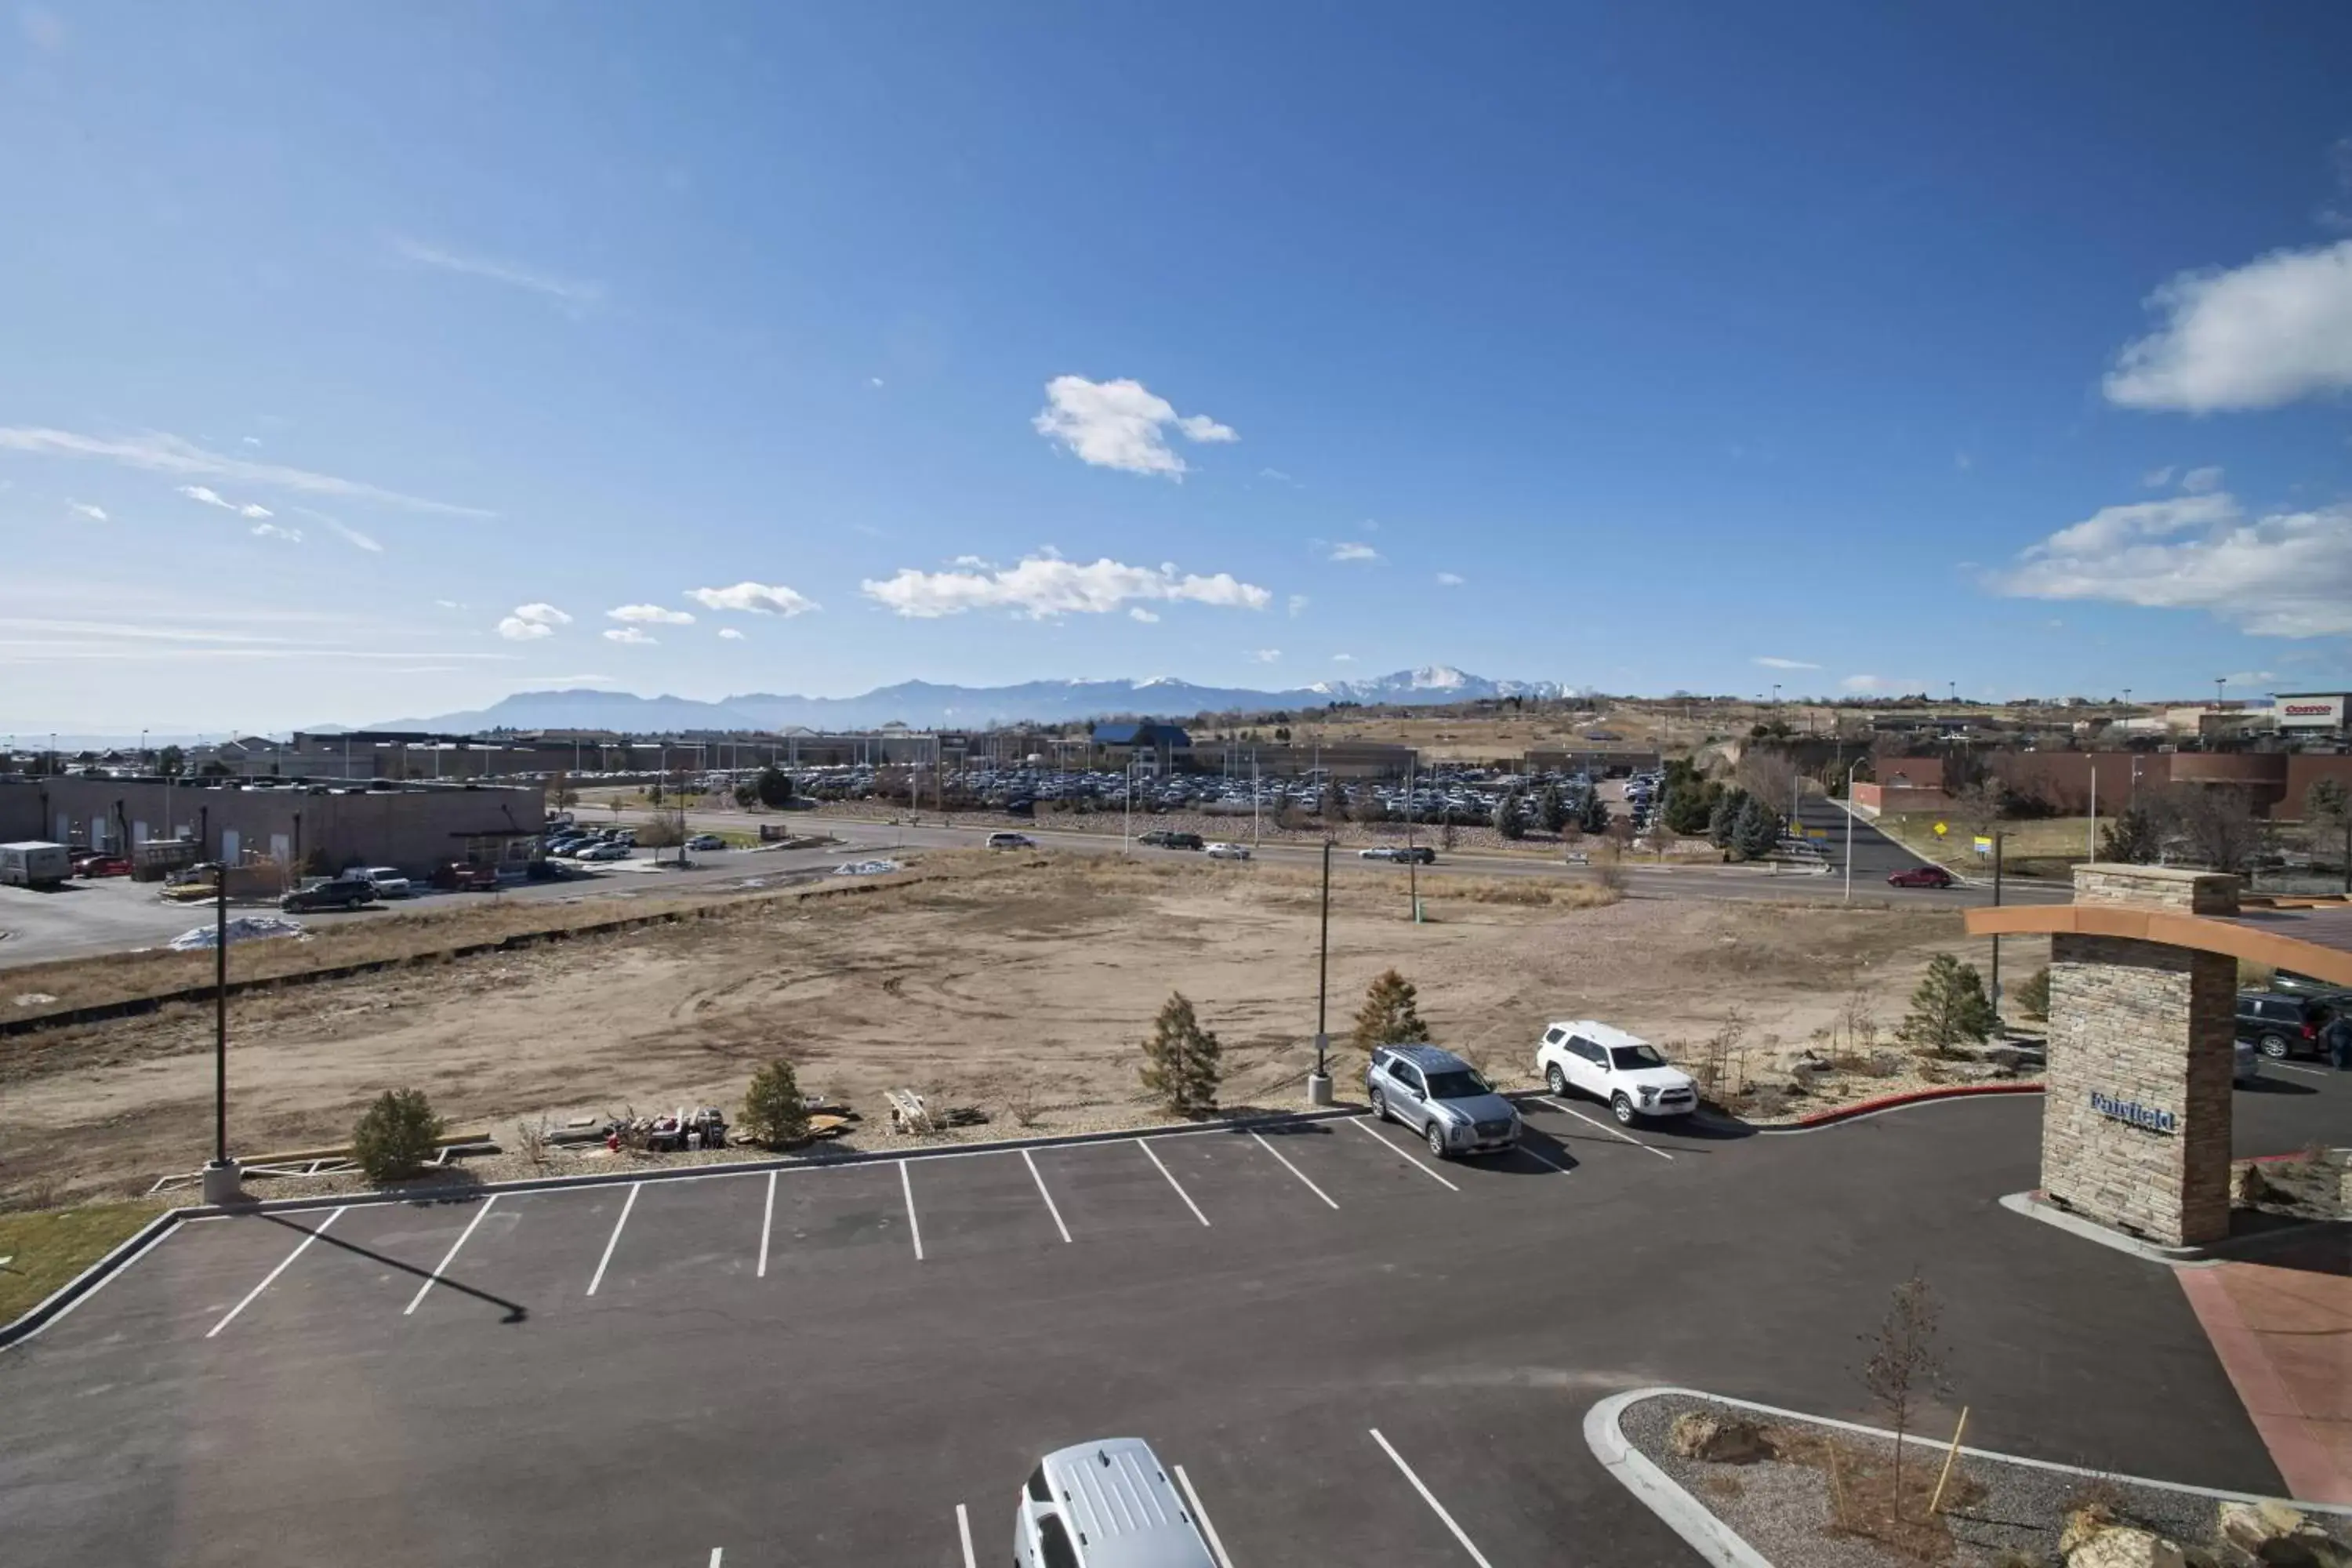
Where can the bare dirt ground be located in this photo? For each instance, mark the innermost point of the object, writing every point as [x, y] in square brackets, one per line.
[1021, 988]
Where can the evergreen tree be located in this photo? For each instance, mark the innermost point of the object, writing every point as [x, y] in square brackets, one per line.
[1723, 822]
[1949, 1005]
[2129, 838]
[1388, 1017]
[774, 1114]
[1551, 808]
[773, 786]
[1506, 815]
[1334, 804]
[1755, 831]
[1180, 1059]
[1690, 805]
[2033, 995]
[1594, 819]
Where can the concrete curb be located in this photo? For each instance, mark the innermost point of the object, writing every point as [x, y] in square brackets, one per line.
[1713, 1540]
[2212, 1255]
[68, 1296]
[1887, 1102]
[1602, 1433]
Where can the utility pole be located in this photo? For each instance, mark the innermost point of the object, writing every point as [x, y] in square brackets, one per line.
[221, 1176]
[1848, 824]
[1999, 837]
[1412, 860]
[1318, 1082]
[2093, 852]
[1254, 826]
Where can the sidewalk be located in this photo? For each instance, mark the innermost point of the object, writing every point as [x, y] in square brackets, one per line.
[2283, 1330]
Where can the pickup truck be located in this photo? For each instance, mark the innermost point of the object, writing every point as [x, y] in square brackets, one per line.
[458, 877]
[388, 881]
[334, 893]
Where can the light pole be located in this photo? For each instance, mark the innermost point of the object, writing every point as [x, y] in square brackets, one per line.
[221, 1174]
[1848, 824]
[1318, 1082]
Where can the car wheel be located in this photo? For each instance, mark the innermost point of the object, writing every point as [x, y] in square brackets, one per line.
[1437, 1137]
[1557, 1080]
[2275, 1046]
[1379, 1105]
[1622, 1107]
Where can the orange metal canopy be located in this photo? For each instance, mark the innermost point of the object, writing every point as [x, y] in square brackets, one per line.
[2316, 942]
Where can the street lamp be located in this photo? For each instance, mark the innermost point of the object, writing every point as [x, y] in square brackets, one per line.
[1318, 1082]
[221, 1174]
[1849, 824]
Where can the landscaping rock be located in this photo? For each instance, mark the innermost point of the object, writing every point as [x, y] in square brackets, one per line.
[2273, 1535]
[1720, 1439]
[2124, 1546]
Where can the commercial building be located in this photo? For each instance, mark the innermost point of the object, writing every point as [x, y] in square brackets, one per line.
[414, 827]
[2314, 715]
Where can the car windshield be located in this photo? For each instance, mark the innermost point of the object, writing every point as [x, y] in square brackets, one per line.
[1625, 1058]
[1460, 1083]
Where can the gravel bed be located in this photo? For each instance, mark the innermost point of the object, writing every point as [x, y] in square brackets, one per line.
[1780, 1508]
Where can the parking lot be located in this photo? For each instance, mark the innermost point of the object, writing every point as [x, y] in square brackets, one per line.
[1353, 1354]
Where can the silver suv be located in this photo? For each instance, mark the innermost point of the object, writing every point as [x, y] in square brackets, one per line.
[1441, 1097]
[1105, 1504]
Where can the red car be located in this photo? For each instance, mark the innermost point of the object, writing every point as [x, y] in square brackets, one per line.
[103, 866]
[1921, 876]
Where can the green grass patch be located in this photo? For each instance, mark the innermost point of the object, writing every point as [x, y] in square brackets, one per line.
[48, 1247]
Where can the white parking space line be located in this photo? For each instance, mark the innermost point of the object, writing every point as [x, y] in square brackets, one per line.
[767, 1222]
[1540, 1158]
[1039, 1178]
[1434, 1506]
[963, 1532]
[1172, 1182]
[717, 1555]
[448, 1258]
[2290, 1067]
[283, 1264]
[1385, 1142]
[615, 1239]
[1201, 1514]
[1292, 1169]
[914, 1225]
[1616, 1132]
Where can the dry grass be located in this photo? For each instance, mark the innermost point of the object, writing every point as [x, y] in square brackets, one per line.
[1862, 1495]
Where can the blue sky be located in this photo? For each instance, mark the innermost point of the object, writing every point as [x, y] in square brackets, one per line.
[1257, 344]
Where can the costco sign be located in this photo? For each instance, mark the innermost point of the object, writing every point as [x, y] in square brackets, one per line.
[2311, 712]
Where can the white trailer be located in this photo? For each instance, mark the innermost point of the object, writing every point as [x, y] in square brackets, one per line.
[34, 863]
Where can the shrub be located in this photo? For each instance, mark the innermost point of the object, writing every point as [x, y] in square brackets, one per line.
[1181, 1061]
[1949, 1006]
[2033, 995]
[396, 1135]
[774, 1114]
[1389, 1015]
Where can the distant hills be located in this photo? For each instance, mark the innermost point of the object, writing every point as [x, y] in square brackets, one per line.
[924, 705]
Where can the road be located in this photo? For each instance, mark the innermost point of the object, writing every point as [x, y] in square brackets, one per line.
[832, 1364]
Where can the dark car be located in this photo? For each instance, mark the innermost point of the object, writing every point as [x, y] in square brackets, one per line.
[2280, 1025]
[1161, 838]
[335, 893]
[1419, 854]
[1921, 876]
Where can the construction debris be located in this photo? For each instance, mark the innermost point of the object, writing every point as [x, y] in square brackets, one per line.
[244, 927]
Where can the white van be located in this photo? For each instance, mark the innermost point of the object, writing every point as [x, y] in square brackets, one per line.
[1107, 1504]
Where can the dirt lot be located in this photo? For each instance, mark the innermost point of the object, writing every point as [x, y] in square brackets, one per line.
[1019, 988]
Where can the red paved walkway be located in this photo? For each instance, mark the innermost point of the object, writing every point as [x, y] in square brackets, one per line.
[2283, 1329]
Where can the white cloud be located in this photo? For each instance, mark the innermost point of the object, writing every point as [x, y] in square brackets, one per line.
[531, 621]
[1771, 662]
[1298, 603]
[651, 615]
[1043, 586]
[1265, 656]
[633, 636]
[254, 509]
[1140, 613]
[2157, 478]
[1343, 658]
[1276, 475]
[2282, 574]
[2196, 481]
[84, 508]
[271, 531]
[874, 381]
[1451, 579]
[344, 532]
[729, 634]
[2250, 677]
[2267, 333]
[251, 440]
[1348, 550]
[1865, 684]
[448, 605]
[207, 495]
[1120, 425]
[162, 453]
[755, 598]
[572, 291]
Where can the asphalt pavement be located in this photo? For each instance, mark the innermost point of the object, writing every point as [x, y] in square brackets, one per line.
[1333, 1337]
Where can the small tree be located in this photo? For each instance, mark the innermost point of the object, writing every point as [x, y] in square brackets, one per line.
[1506, 815]
[1593, 819]
[1334, 804]
[774, 1114]
[1906, 1364]
[774, 787]
[1551, 808]
[1390, 1015]
[1756, 830]
[2033, 994]
[653, 793]
[1690, 806]
[560, 792]
[1180, 1059]
[396, 1135]
[1723, 822]
[1949, 1005]
[171, 761]
[2129, 838]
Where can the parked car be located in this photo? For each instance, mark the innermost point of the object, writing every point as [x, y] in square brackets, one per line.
[2279, 1025]
[1223, 851]
[103, 866]
[605, 851]
[1105, 1504]
[1441, 1097]
[330, 893]
[389, 883]
[1010, 841]
[1624, 1071]
[705, 841]
[463, 877]
[1920, 876]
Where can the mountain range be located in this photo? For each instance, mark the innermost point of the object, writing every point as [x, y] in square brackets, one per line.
[924, 705]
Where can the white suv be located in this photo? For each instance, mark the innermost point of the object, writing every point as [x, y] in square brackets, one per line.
[1107, 1504]
[1624, 1070]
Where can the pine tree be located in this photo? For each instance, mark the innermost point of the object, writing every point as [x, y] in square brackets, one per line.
[1551, 808]
[2129, 838]
[1506, 815]
[1723, 822]
[1949, 1006]
[1388, 1016]
[1594, 819]
[1180, 1060]
[774, 1114]
[1755, 831]
[1690, 805]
